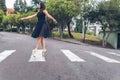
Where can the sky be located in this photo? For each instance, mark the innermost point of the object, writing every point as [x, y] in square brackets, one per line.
[10, 3]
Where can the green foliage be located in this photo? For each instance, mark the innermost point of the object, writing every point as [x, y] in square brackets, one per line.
[13, 20]
[56, 34]
[2, 5]
[30, 21]
[34, 4]
[5, 20]
[90, 32]
[77, 36]
[108, 13]
[62, 10]
[1, 16]
[78, 26]
[20, 6]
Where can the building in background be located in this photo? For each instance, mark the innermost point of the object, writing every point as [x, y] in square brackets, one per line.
[10, 11]
[95, 27]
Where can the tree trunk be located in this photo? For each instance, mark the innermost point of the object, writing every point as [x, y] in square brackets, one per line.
[23, 27]
[69, 32]
[61, 31]
[4, 27]
[103, 41]
[105, 38]
[17, 29]
[31, 27]
[83, 31]
[11, 27]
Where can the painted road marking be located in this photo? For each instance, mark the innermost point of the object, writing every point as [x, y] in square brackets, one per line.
[116, 54]
[38, 57]
[5, 54]
[109, 60]
[71, 56]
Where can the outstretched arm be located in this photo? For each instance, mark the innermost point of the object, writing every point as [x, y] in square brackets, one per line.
[49, 16]
[29, 17]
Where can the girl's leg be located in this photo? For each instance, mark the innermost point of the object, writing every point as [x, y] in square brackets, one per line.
[43, 44]
[38, 43]
[37, 46]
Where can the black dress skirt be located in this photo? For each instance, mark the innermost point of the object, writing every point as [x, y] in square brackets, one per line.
[42, 27]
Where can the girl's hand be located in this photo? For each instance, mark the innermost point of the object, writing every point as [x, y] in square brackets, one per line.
[21, 19]
[54, 21]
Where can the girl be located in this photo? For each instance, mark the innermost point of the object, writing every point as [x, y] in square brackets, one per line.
[41, 30]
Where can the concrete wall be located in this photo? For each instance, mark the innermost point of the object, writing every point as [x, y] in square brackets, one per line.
[113, 39]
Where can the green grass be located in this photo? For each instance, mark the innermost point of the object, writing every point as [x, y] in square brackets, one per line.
[77, 36]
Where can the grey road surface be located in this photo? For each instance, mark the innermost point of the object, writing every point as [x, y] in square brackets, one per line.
[63, 61]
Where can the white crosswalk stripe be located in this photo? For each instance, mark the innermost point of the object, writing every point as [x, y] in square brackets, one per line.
[5, 54]
[116, 54]
[38, 57]
[68, 53]
[71, 56]
[109, 60]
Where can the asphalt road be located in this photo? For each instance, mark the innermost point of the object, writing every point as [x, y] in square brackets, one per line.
[63, 61]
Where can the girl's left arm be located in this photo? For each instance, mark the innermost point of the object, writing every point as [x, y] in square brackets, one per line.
[49, 16]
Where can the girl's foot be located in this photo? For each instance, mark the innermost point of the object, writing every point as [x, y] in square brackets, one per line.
[44, 51]
[35, 51]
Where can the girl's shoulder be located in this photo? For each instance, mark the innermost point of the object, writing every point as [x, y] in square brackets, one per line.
[44, 11]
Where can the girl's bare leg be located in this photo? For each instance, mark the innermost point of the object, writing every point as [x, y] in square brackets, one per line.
[37, 46]
[43, 45]
[38, 43]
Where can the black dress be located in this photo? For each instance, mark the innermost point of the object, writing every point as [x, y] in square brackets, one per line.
[42, 28]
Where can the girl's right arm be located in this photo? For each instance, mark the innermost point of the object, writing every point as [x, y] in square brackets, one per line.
[29, 17]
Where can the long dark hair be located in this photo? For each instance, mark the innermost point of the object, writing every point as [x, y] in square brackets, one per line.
[42, 6]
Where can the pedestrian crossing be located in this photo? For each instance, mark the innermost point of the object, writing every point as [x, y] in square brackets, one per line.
[5, 54]
[112, 53]
[69, 54]
[38, 57]
[104, 58]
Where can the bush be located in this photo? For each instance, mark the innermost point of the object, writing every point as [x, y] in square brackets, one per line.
[8, 29]
[77, 36]
[90, 33]
[65, 35]
[14, 29]
[1, 29]
[11, 29]
[56, 34]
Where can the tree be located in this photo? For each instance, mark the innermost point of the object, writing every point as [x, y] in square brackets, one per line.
[5, 22]
[83, 7]
[20, 6]
[28, 23]
[35, 2]
[2, 5]
[78, 26]
[1, 16]
[108, 13]
[63, 11]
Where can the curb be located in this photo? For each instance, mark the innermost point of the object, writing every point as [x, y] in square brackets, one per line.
[70, 41]
[77, 42]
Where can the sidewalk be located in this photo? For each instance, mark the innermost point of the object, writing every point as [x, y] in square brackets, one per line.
[73, 41]
[87, 43]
